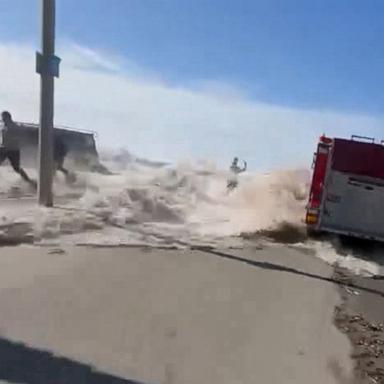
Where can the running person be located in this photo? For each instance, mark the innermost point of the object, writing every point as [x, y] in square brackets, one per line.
[60, 151]
[233, 181]
[10, 147]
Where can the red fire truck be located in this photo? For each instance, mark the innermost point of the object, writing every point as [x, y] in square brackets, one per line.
[347, 189]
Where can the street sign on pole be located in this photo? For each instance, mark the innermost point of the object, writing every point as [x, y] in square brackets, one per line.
[47, 65]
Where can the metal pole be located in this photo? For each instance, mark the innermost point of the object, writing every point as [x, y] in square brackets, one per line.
[46, 103]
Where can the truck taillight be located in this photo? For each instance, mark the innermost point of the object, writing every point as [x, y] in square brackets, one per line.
[311, 218]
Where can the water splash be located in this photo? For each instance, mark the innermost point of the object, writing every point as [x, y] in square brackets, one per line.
[172, 207]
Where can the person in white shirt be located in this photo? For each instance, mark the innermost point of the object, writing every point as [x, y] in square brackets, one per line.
[233, 181]
[10, 147]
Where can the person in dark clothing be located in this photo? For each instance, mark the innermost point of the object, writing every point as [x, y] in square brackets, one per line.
[60, 151]
[10, 147]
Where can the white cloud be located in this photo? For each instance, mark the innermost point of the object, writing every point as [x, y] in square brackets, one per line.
[87, 59]
[130, 107]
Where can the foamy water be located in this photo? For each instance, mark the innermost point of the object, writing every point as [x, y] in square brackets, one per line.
[354, 261]
[172, 207]
[185, 204]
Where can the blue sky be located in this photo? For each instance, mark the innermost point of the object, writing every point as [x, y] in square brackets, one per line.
[296, 55]
[325, 54]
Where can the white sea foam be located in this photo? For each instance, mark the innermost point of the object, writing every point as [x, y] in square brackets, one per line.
[147, 204]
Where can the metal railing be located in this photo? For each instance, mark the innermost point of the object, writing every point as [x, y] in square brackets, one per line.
[371, 139]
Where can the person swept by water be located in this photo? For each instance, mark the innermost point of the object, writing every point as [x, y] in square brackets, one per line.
[10, 147]
[235, 170]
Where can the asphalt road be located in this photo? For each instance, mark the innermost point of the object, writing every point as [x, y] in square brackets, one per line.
[154, 316]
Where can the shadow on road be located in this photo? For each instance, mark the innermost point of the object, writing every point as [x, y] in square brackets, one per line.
[20, 363]
[281, 268]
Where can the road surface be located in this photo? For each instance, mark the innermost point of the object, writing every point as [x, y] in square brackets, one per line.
[110, 315]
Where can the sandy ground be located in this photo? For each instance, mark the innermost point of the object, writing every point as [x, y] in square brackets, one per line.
[154, 316]
[361, 318]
